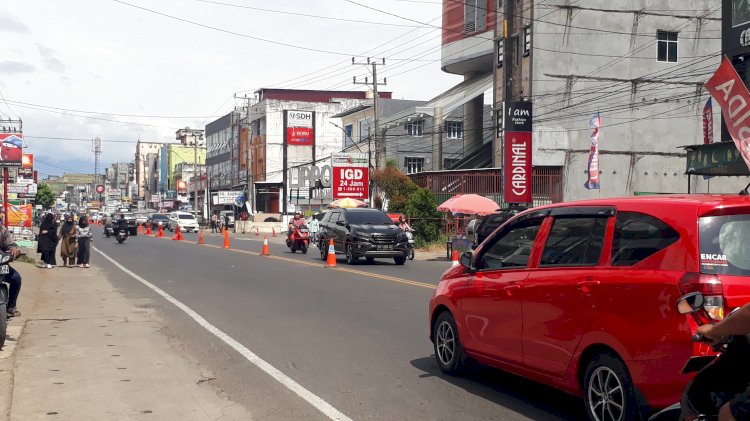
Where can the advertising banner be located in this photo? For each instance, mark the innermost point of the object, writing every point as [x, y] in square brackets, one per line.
[517, 152]
[728, 90]
[299, 128]
[226, 197]
[11, 149]
[593, 183]
[349, 159]
[19, 215]
[27, 161]
[25, 176]
[708, 123]
[351, 182]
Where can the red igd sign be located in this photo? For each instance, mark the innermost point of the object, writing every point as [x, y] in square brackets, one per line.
[727, 88]
[350, 182]
[517, 167]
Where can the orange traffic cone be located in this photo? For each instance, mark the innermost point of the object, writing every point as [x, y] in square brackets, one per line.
[331, 260]
[148, 230]
[177, 234]
[160, 233]
[226, 239]
[265, 247]
[200, 237]
[140, 229]
[454, 261]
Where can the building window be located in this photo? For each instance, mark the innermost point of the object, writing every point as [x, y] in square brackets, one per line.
[449, 163]
[454, 129]
[475, 16]
[348, 132]
[526, 41]
[413, 164]
[666, 48]
[500, 52]
[415, 128]
[364, 129]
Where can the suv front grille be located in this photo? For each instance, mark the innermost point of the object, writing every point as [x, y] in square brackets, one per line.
[384, 238]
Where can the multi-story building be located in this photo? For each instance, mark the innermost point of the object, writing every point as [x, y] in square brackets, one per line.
[144, 167]
[222, 149]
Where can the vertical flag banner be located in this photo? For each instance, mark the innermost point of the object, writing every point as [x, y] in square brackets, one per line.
[518, 151]
[708, 122]
[729, 91]
[593, 182]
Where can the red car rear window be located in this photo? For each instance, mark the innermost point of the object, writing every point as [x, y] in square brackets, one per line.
[725, 245]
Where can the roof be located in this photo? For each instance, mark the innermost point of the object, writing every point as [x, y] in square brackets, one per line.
[448, 100]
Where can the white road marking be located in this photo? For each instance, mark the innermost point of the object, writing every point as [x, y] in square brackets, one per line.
[314, 400]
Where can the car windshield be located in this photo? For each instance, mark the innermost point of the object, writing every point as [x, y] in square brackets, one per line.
[185, 217]
[724, 248]
[372, 216]
[159, 217]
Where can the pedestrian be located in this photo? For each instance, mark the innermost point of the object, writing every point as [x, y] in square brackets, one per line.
[67, 235]
[215, 222]
[48, 241]
[84, 242]
[226, 221]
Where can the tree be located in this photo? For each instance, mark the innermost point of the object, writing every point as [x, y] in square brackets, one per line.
[396, 187]
[422, 207]
[45, 196]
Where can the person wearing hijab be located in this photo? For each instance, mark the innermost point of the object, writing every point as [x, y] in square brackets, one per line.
[84, 242]
[48, 241]
[68, 249]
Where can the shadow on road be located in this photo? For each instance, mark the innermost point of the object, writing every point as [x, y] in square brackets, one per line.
[523, 396]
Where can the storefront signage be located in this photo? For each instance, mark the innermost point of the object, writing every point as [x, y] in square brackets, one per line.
[226, 197]
[518, 153]
[730, 93]
[720, 158]
[299, 128]
[349, 159]
[351, 182]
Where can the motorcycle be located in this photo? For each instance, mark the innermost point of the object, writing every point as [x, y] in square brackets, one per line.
[410, 237]
[122, 235]
[718, 379]
[299, 239]
[108, 232]
[5, 260]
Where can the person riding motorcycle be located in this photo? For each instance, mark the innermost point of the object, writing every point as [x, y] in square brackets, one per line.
[738, 409]
[296, 222]
[108, 221]
[122, 223]
[403, 224]
[13, 278]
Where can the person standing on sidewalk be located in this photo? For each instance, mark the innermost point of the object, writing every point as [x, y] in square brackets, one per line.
[68, 249]
[13, 278]
[48, 241]
[84, 242]
[214, 222]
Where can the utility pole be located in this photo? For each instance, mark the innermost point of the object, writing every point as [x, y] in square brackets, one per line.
[96, 147]
[379, 140]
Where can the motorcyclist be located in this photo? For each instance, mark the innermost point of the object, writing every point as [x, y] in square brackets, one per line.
[13, 278]
[403, 224]
[296, 222]
[737, 324]
[122, 223]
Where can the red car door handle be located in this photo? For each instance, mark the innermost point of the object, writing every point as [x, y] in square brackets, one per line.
[510, 288]
[585, 286]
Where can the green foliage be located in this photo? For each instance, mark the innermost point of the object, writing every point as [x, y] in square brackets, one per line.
[45, 196]
[391, 163]
[422, 208]
[377, 202]
[396, 186]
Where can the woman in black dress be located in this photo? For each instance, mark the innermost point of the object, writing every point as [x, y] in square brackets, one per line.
[48, 241]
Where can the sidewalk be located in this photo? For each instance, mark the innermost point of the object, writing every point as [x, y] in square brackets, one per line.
[88, 353]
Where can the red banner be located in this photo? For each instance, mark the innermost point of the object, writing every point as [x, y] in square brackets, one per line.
[301, 136]
[11, 149]
[708, 123]
[517, 168]
[351, 182]
[730, 93]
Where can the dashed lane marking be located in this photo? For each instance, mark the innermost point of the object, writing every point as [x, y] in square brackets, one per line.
[321, 405]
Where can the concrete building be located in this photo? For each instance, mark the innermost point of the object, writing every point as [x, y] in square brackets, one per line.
[272, 154]
[222, 149]
[144, 167]
[189, 137]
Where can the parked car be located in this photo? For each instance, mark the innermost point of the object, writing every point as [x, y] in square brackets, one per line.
[185, 220]
[225, 213]
[358, 233]
[156, 219]
[488, 224]
[581, 296]
[141, 218]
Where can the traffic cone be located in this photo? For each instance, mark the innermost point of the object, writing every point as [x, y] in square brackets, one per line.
[331, 261]
[265, 247]
[148, 230]
[140, 229]
[226, 239]
[177, 234]
[160, 233]
[200, 237]
[454, 261]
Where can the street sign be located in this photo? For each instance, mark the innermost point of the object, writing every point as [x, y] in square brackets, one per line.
[351, 182]
[100, 189]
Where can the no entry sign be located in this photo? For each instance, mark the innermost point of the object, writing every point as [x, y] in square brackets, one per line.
[351, 182]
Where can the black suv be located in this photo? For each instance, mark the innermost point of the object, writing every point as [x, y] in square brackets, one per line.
[367, 233]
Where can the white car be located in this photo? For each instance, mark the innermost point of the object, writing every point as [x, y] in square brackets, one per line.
[185, 220]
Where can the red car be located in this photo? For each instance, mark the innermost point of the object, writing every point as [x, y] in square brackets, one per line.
[581, 296]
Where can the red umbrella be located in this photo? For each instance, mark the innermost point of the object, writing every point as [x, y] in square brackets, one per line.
[469, 204]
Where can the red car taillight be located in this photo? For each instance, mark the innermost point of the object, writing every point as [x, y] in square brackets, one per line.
[711, 288]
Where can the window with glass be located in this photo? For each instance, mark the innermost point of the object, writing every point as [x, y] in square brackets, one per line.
[413, 164]
[348, 132]
[526, 41]
[575, 242]
[364, 129]
[415, 128]
[512, 248]
[666, 46]
[475, 16]
[454, 129]
[449, 163]
[638, 236]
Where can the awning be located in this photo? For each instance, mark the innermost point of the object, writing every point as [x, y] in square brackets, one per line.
[448, 101]
[720, 158]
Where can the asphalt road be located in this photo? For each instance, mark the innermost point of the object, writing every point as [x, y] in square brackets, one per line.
[355, 337]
